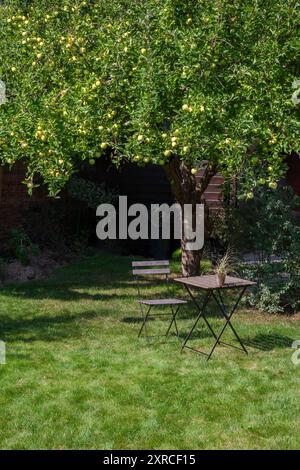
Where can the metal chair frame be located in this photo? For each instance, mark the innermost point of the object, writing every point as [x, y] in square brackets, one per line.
[146, 269]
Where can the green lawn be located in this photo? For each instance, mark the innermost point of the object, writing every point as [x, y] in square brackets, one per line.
[77, 376]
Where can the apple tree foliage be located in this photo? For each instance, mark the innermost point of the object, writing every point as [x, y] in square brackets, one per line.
[150, 81]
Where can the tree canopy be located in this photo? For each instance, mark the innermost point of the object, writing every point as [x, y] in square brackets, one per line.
[146, 81]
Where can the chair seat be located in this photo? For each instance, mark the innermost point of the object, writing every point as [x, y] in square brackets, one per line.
[163, 302]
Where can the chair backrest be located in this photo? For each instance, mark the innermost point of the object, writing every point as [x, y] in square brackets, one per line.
[150, 268]
[145, 270]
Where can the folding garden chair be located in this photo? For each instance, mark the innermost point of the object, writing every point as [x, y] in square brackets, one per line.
[149, 270]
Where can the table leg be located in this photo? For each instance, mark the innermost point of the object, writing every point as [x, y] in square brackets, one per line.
[227, 317]
[201, 310]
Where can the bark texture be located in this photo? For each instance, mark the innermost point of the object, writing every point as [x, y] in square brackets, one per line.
[187, 190]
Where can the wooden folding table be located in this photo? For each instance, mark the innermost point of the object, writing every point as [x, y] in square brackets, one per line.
[210, 285]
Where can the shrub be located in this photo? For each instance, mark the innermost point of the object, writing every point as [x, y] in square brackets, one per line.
[22, 246]
[89, 192]
[277, 289]
[267, 225]
[68, 222]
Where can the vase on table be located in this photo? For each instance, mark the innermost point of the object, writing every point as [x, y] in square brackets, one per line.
[221, 277]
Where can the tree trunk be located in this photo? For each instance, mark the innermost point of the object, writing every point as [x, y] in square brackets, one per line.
[190, 260]
[187, 190]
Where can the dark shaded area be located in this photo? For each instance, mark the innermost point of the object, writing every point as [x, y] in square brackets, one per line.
[133, 320]
[292, 175]
[268, 342]
[46, 328]
[199, 333]
[68, 294]
[145, 185]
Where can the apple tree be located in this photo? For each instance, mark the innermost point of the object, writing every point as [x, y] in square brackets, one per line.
[185, 85]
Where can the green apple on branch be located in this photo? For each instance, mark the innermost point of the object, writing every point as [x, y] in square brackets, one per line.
[181, 84]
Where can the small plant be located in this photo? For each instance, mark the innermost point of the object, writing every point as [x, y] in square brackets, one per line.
[224, 266]
[79, 243]
[22, 246]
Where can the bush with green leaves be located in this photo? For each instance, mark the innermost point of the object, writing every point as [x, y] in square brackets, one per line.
[268, 224]
[268, 227]
[277, 289]
[22, 247]
[67, 226]
[92, 194]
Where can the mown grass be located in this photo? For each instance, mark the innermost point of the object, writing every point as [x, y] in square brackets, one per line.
[77, 376]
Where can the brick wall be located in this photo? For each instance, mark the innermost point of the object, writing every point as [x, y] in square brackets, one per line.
[14, 198]
[213, 194]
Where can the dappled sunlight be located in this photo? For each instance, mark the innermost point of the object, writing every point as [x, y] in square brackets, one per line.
[71, 343]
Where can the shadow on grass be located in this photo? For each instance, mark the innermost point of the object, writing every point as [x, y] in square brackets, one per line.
[67, 292]
[134, 320]
[268, 342]
[46, 328]
[197, 334]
